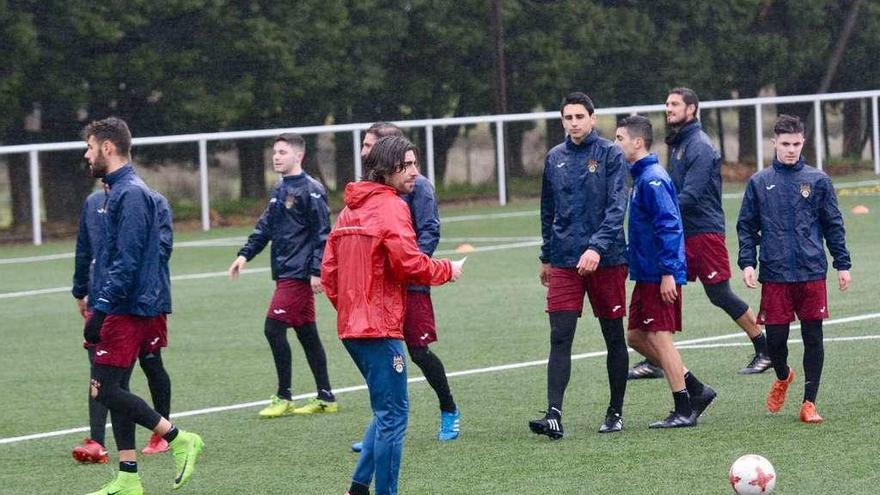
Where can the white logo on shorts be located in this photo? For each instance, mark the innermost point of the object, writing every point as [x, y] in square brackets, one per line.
[154, 341]
[279, 311]
[649, 320]
[711, 275]
[615, 308]
[423, 337]
[101, 353]
[822, 310]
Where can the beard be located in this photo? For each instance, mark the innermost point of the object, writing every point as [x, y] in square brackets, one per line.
[98, 167]
[672, 129]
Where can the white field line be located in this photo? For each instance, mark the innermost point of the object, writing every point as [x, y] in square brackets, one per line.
[684, 344]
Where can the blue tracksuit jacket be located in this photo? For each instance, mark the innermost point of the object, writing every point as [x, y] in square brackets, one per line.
[695, 168]
[426, 220]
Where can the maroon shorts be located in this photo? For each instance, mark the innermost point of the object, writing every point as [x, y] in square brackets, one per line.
[293, 302]
[780, 301]
[649, 313]
[125, 337]
[707, 258]
[419, 328]
[606, 288]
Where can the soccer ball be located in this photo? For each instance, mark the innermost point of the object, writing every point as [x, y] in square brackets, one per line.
[752, 474]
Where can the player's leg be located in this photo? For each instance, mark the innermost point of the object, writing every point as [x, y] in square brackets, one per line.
[159, 384]
[722, 296]
[811, 307]
[307, 334]
[777, 313]
[673, 368]
[92, 449]
[276, 335]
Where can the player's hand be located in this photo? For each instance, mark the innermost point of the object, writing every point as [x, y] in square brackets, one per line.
[588, 263]
[316, 284]
[750, 277]
[457, 269]
[236, 267]
[843, 280]
[668, 290]
[92, 329]
[83, 306]
[544, 274]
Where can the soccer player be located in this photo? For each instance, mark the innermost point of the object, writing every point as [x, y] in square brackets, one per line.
[132, 299]
[297, 222]
[788, 211]
[657, 265]
[89, 242]
[583, 202]
[695, 168]
[419, 327]
[371, 258]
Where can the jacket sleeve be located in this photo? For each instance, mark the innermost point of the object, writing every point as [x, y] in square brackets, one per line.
[82, 257]
[408, 264]
[166, 228]
[832, 226]
[426, 218]
[320, 221]
[259, 237]
[668, 231]
[330, 272]
[748, 227]
[548, 213]
[615, 203]
[698, 177]
[131, 220]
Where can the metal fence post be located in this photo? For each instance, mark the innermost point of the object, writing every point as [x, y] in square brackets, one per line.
[876, 122]
[36, 212]
[499, 162]
[817, 110]
[429, 151]
[759, 137]
[203, 184]
[358, 165]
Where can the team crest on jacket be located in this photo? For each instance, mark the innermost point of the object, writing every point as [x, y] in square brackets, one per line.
[806, 190]
[397, 363]
[290, 200]
[592, 166]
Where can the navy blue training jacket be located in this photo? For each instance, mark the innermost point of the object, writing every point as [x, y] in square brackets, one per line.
[695, 168]
[131, 274]
[89, 242]
[426, 220]
[788, 210]
[583, 202]
[656, 236]
[297, 221]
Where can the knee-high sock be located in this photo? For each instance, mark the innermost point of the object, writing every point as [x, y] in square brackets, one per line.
[311, 344]
[97, 411]
[777, 348]
[562, 327]
[158, 381]
[126, 409]
[276, 335]
[435, 374]
[617, 360]
[814, 357]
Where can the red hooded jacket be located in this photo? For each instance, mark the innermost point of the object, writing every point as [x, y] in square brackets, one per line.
[370, 258]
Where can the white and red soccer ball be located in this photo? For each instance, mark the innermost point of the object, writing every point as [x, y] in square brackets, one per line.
[752, 475]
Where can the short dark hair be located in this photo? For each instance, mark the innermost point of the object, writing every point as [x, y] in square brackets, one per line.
[638, 126]
[293, 139]
[578, 98]
[383, 129]
[788, 124]
[111, 129]
[689, 97]
[387, 157]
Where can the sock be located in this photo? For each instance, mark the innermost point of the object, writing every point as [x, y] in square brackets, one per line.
[276, 334]
[435, 375]
[814, 357]
[358, 489]
[617, 361]
[693, 385]
[682, 402]
[128, 466]
[171, 434]
[158, 381]
[777, 349]
[97, 412]
[311, 344]
[554, 413]
[759, 342]
[562, 327]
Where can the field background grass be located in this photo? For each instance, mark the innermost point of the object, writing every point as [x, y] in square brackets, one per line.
[494, 316]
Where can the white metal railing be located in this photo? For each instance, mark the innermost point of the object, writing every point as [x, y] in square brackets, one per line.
[428, 124]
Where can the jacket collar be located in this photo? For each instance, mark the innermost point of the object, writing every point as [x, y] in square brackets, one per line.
[294, 178]
[589, 139]
[781, 167]
[118, 175]
[638, 167]
[684, 131]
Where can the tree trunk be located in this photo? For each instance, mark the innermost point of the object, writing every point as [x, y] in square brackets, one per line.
[251, 166]
[344, 159]
[853, 129]
[748, 151]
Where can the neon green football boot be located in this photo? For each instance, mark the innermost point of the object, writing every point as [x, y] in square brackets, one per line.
[185, 449]
[277, 407]
[316, 406]
[123, 484]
